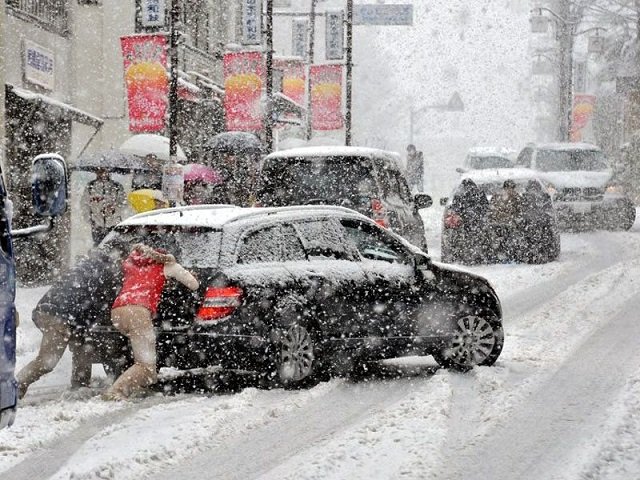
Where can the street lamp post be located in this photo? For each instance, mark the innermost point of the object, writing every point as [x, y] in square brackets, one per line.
[310, 55]
[349, 73]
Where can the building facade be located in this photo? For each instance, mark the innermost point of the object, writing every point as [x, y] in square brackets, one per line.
[62, 68]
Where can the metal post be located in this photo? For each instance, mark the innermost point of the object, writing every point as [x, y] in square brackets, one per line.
[411, 120]
[349, 74]
[173, 86]
[310, 58]
[268, 124]
[569, 121]
[565, 40]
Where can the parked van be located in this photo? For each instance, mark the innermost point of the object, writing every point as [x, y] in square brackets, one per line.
[367, 180]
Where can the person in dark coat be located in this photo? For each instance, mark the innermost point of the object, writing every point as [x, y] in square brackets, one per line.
[75, 302]
[536, 225]
[505, 214]
[471, 204]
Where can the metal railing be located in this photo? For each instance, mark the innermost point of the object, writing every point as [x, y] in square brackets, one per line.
[50, 14]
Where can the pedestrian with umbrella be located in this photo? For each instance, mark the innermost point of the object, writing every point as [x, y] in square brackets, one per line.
[103, 204]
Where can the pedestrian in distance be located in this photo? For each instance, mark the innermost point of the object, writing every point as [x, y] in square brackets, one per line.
[415, 168]
[70, 307]
[145, 272]
[103, 203]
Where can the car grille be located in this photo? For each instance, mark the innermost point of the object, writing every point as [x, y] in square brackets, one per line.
[575, 193]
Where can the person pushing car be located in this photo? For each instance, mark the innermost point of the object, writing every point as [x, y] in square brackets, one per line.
[145, 271]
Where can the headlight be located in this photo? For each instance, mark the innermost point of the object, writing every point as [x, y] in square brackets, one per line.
[614, 189]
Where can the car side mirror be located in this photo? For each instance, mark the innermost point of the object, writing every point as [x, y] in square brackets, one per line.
[49, 185]
[422, 200]
[461, 170]
[443, 201]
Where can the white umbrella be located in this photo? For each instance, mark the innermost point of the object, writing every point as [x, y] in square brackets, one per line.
[147, 143]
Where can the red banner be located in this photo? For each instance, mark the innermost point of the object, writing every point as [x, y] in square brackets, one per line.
[243, 80]
[326, 97]
[293, 78]
[145, 75]
[583, 105]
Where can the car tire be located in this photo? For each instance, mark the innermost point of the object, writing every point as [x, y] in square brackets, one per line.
[477, 340]
[295, 357]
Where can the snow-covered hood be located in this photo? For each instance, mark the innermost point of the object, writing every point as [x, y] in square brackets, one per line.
[579, 179]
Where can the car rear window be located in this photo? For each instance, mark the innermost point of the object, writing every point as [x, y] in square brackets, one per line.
[479, 162]
[193, 247]
[278, 243]
[570, 160]
[330, 180]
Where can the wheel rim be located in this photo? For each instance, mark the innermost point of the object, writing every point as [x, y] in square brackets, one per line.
[296, 354]
[472, 342]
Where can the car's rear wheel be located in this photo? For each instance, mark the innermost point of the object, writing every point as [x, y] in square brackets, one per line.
[477, 338]
[296, 358]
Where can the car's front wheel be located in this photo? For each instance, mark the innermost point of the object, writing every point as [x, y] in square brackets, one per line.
[476, 339]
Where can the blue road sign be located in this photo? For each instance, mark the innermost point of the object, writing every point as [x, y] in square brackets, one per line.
[396, 14]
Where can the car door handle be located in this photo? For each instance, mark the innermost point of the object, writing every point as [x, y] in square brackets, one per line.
[316, 275]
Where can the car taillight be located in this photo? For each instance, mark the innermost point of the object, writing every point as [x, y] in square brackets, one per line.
[379, 213]
[218, 303]
[452, 220]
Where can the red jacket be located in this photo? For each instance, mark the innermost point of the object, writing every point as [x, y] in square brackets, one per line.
[143, 282]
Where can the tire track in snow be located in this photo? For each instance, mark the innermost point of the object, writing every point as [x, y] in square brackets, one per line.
[548, 435]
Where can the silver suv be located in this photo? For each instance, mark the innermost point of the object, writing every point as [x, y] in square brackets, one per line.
[580, 181]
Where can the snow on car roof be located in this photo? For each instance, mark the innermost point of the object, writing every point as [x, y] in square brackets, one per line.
[216, 216]
[500, 174]
[334, 151]
[490, 152]
[566, 146]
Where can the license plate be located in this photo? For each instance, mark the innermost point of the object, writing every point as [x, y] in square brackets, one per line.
[582, 207]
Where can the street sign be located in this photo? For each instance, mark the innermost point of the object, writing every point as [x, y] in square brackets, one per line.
[251, 22]
[334, 48]
[381, 14]
[299, 37]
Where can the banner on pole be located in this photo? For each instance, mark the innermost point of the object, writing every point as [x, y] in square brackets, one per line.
[334, 38]
[583, 106]
[244, 74]
[146, 79]
[299, 37]
[293, 77]
[326, 97]
[251, 22]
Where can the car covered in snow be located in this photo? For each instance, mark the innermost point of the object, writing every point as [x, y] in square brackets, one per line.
[482, 158]
[368, 180]
[298, 294]
[469, 234]
[582, 185]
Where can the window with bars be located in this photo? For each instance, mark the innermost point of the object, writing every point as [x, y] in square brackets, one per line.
[50, 14]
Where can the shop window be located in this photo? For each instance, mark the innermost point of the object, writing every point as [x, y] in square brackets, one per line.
[50, 14]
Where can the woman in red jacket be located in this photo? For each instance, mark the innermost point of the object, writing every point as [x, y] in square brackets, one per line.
[145, 272]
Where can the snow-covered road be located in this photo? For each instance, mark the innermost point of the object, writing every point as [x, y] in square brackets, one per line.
[562, 401]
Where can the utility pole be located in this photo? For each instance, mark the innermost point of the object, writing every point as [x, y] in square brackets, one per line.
[565, 39]
[310, 55]
[268, 124]
[349, 73]
[173, 85]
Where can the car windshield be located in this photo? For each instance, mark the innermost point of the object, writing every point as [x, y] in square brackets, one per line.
[193, 247]
[481, 162]
[570, 160]
[317, 180]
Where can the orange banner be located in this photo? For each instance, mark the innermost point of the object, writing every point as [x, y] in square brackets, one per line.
[243, 80]
[326, 97]
[583, 106]
[145, 75]
[293, 78]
